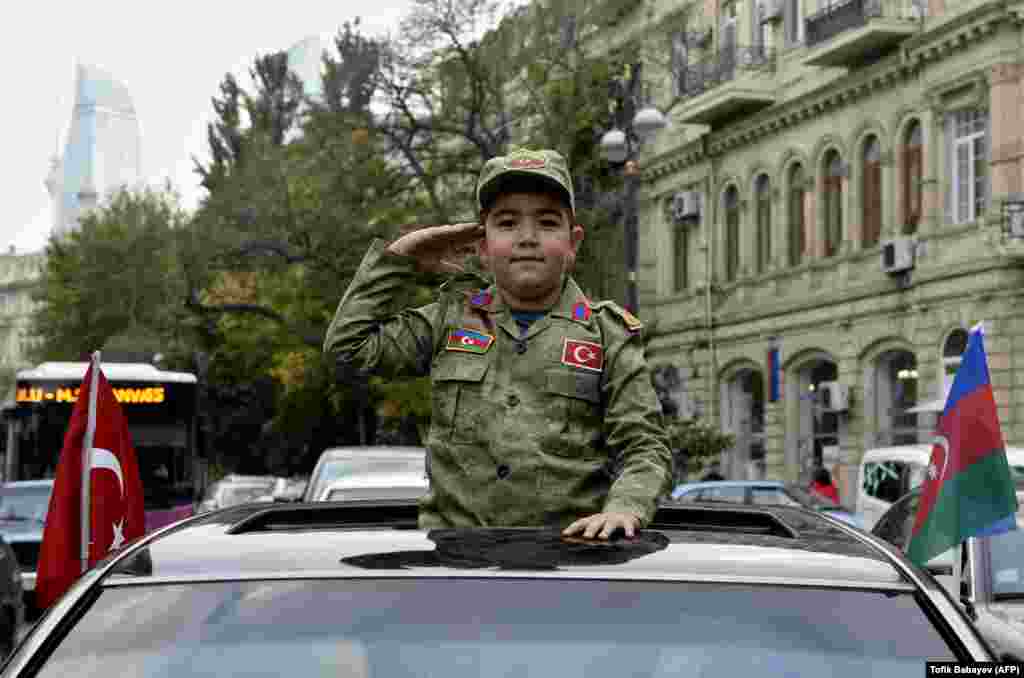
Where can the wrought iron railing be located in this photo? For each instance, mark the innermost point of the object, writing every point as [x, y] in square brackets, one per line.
[723, 66]
[838, 17]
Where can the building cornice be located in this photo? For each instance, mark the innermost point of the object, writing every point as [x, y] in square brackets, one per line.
[932, 45]
[883, 291]
[957, 33]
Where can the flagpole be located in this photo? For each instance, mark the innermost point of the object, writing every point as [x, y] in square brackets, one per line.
[90, 432]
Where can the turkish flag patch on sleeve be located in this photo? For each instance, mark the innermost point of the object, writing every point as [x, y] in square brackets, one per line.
[583, 354]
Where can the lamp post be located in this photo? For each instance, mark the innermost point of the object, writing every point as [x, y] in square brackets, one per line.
[634, 122]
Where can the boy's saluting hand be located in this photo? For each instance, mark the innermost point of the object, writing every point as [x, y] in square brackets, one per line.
[435, 247]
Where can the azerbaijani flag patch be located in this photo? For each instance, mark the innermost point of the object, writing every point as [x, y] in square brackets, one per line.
[470, 341]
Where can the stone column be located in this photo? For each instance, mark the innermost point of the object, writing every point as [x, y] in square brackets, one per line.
[747, 236]
[891, 212]
[1004, 116]
[811, 239]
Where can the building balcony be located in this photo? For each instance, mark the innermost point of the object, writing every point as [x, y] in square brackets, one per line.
[847, 32]
[734, 82]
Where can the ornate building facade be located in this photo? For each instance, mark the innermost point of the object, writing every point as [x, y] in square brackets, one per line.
[829, 214]
[19, 277]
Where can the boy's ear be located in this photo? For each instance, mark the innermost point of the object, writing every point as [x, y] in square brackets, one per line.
[576, 233]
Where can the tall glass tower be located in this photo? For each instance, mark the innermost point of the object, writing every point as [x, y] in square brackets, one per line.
[101, 154]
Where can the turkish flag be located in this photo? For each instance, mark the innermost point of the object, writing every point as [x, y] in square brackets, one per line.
[115, 492]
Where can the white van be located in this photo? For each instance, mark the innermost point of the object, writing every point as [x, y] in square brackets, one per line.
[888, 473]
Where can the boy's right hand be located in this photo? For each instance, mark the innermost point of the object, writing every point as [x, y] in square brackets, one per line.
[435, 248]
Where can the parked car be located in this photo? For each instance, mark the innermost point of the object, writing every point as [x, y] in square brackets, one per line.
[373, 486]
[888, 473]
[338, 462]
[992, 585]
[12, 599]
[761, 492]
[234, 489]
[355, 589]
[23, 507]
[289, 489]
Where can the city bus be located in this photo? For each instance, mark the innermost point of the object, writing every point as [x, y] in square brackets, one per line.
[160, 407]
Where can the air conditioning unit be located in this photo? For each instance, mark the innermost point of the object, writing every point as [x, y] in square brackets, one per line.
[1016, 225]
[898, 255]
[685, 205]
[769, 10]
[834, 397]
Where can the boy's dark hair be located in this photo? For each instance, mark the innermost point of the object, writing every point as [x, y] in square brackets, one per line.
[527, 184]
[822, 476]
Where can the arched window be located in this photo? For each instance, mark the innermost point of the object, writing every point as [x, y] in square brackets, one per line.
[912, 177]
[833, 203]
[952, 351]
[871, 193]
[797, 239]
[732, 233]
[763, 197]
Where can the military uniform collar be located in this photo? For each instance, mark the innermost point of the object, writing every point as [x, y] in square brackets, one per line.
[572, 305]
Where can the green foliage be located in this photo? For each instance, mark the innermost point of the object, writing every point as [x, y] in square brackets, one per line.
[120, 272]
[695, 444]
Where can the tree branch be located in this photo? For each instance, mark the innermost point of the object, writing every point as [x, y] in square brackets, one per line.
[193, 304]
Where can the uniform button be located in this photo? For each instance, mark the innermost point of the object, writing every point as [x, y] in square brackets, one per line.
[520, 347]
[512, 400]
[503, 471]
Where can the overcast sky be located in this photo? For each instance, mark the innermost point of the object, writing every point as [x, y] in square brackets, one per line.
[171, 56]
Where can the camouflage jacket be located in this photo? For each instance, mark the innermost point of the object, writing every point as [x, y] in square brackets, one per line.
[542, 429]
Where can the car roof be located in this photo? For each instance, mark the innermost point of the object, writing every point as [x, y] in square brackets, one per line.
[704, 484]
[921, 453]
[373, 451]
[782, 545]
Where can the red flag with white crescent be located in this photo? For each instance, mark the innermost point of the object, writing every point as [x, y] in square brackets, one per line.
[114, 489]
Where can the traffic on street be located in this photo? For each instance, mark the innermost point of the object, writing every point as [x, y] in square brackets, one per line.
[514, 338]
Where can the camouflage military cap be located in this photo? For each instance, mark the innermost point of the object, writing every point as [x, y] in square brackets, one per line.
[547, 165]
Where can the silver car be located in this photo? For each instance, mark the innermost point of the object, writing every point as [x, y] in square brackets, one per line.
[339, 462]
[373, 486]
[357, 590]
[992, 587]
[234, 489]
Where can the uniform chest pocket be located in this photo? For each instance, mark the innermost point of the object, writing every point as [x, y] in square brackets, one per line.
[460, 411]
[575, 407]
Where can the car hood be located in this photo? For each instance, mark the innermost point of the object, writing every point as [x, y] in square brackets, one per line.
[21, 530]
[1010, 612]
[1002, 624]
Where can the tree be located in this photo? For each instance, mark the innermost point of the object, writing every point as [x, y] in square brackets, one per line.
[119, 272]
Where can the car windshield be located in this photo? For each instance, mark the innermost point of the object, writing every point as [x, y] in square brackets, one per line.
[1007, 551]
[239, 494]
[24, 503]
[336, 469]
[469, 628]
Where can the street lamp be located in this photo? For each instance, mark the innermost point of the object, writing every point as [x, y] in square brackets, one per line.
[620, 146]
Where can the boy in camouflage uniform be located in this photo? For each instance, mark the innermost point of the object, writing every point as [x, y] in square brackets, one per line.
[538, 393]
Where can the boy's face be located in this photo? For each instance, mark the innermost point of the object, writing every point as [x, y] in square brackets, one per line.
[530, 241]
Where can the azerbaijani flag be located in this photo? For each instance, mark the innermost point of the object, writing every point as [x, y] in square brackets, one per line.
[968, 491]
